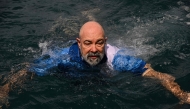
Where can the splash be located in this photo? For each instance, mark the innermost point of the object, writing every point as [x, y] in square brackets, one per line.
[149, 37]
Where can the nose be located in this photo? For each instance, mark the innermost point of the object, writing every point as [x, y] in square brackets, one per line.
[94, 49]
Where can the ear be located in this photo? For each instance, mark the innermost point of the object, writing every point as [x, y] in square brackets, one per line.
[78, 41]
[105, 39]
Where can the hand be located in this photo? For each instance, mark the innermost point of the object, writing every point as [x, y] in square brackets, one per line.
[187, 99]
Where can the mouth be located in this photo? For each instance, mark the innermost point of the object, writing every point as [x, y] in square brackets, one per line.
[93, 57]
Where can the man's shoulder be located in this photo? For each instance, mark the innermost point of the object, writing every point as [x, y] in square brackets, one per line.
[110, 52]
[111, 48]
[74, 49]
[74, 52]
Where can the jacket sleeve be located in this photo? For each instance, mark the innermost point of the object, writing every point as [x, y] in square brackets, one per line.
[122, 62]
[45, 64]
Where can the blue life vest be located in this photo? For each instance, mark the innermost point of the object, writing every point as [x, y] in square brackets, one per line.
[70, 62]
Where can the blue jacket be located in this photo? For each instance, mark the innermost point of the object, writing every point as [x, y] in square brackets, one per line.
[69, 62]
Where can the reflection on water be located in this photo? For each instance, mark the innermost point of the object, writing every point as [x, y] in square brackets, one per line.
[158, 31]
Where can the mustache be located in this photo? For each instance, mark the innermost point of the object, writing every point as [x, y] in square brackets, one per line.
[93, 54]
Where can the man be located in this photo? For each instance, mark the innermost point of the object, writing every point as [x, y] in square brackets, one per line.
[91, 52]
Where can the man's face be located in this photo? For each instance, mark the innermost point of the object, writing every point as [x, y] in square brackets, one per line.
[92, 45]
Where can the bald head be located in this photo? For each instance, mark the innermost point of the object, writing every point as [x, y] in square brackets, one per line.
[91, 27]
[91, 42]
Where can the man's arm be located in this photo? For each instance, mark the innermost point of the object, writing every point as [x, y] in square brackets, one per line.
[168, 82]
[13, 80]
[122, 62]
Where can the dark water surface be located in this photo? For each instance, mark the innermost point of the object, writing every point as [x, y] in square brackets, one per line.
[158, 30]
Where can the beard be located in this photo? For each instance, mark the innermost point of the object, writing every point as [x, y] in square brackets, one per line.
[93, 62]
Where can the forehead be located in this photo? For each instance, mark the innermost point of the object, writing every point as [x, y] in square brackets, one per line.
[92, 34]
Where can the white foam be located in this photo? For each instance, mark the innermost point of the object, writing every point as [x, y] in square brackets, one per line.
[180, 3]
[188, 15]
[186, 8]
[188, 23]
[135, 40]
[30, 49]
[43, 47]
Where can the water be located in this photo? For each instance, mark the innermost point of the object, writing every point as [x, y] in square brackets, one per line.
[157, 30]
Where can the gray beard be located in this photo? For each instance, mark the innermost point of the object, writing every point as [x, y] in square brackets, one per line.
[93, 62]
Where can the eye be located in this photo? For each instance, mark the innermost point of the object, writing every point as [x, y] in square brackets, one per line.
[87, 42]
[100, 43]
